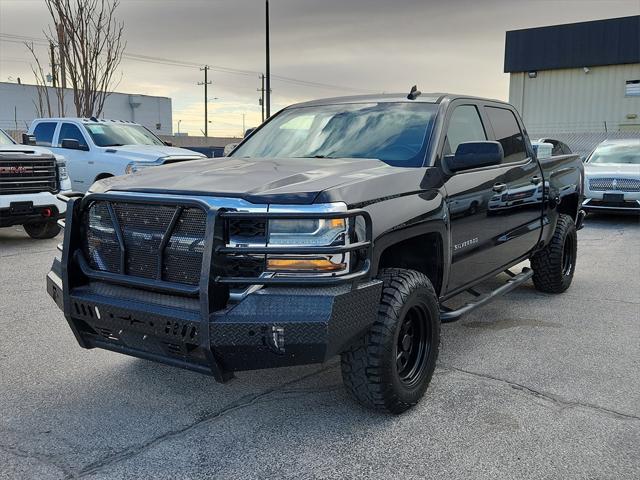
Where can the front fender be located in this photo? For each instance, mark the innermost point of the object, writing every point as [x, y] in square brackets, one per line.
[409, 216]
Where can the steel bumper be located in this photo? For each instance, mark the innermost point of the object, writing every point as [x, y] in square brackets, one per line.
[272, 327]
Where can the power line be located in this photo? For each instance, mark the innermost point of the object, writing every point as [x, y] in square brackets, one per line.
[12, 38]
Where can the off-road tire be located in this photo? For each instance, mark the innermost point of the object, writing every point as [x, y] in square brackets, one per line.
[42, 230]
[370, 367]
[554, 266]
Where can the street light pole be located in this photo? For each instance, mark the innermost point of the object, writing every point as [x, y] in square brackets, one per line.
[268, 69]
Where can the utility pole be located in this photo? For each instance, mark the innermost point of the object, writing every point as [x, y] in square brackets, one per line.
[261, 100]
[244, 129]
[206, 99]
[268, 69]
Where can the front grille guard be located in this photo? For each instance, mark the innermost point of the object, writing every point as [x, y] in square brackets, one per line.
[212, 286]
[215, 245]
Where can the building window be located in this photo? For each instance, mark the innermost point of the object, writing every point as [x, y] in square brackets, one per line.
[632, 88]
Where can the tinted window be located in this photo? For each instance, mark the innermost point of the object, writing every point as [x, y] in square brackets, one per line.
[118, 134]
[69, 131]
[464, 126]
[396, 133]
[44, 133]
[508, 133]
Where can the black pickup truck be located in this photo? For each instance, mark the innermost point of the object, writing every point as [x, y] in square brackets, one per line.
[339, 227]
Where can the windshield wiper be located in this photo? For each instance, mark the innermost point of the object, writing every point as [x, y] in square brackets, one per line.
[114, 145]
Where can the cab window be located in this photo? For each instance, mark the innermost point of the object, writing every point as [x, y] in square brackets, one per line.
[508, 133]
[69, 131]
[44, 133]
[465, 125]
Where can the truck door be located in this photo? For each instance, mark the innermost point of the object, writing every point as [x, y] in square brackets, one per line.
[80, 168]
[468, 196]
[516, 203]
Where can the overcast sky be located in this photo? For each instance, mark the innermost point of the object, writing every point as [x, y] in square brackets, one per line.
[348, 45]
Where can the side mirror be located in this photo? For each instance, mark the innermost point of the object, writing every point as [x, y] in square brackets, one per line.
[168, 144]
[72, 144]
[475, 155]
[28, 139]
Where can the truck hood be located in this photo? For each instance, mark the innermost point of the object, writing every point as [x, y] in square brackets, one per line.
[257, 180]
[604, 169]
[152, 153]
[30, 150]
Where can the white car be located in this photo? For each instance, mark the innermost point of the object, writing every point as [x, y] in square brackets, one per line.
[30, 180]
[97, 149]
[612, 177]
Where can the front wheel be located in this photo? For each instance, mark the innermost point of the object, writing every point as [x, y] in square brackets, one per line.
[554, 266]
[391, 366]
[42, 230]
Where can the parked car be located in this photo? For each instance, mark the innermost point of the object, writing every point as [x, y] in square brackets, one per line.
[97, 149]
[30, 179]
[612, 182]
[328, 231]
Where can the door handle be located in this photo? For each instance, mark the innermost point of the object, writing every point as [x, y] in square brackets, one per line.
[90, 162]
[536, 179]
[499, 187]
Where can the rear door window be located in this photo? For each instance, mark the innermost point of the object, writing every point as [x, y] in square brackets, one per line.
[44, 133]
[508, 133]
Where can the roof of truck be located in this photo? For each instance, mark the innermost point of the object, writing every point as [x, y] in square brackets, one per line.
[91, 120]
[432, 97]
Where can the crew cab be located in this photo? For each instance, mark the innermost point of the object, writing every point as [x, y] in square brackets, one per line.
[346, 226]
[97, 148]
[30, 179]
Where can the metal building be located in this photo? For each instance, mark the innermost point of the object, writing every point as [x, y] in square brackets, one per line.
[19, 106]
[579, 77]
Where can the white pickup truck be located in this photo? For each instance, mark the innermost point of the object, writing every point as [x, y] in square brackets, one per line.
[95, 148]
[30, 179]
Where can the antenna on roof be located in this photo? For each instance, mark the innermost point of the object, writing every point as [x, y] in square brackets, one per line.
[414, 93]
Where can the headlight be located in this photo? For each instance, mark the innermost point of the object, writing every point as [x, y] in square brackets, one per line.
[312, 232]
[135, 167]
[317, 232]
[62, 171]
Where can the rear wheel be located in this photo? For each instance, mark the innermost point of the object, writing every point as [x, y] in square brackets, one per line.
[554, 266]
[391, 366]
[42, 230]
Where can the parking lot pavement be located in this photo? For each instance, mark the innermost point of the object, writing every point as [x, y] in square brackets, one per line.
[530, 386]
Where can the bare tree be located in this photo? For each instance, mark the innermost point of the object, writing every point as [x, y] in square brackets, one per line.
[90, 48]
[43, 105]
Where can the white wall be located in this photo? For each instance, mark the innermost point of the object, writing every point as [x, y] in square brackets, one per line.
[19, 101]
[570, 100]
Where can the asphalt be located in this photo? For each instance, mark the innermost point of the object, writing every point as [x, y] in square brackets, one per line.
[530, 386]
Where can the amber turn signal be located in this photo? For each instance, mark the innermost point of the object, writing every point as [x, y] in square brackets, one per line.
[303, 265]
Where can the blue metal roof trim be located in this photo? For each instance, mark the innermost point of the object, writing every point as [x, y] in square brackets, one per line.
[612, 41]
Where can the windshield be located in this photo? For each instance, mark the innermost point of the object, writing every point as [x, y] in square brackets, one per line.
[118, 134]
[617, 153]
[396, 133]
[5, 139]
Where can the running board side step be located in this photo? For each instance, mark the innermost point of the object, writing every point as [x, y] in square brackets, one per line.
[448, 315]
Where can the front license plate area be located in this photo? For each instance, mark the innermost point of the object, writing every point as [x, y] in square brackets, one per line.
[613, 197]
[21, 208]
